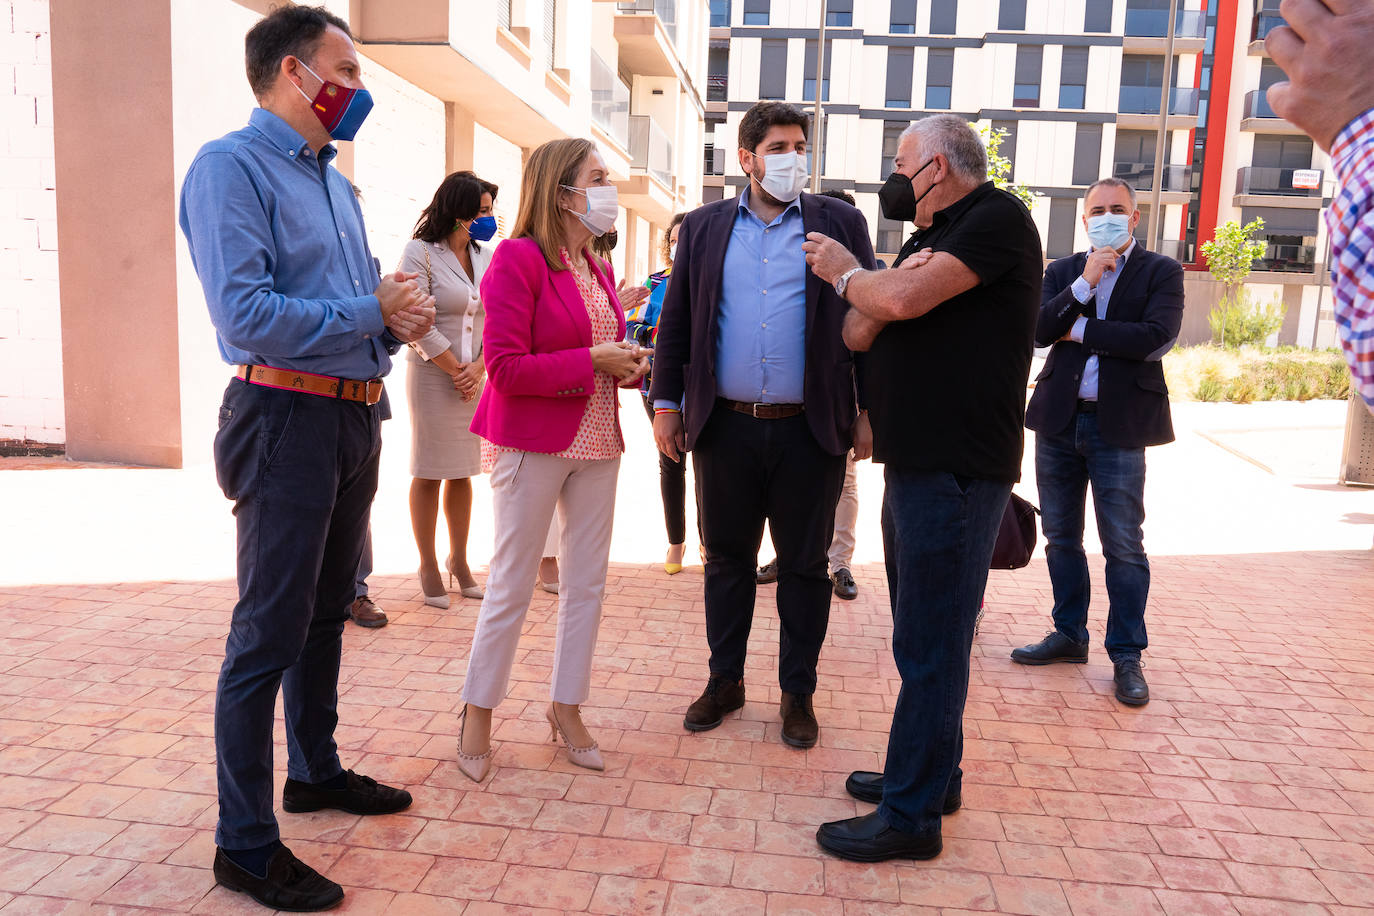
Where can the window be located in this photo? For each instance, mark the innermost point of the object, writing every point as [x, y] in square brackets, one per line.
[1269, 74]
[824, 142]
[1134, 159]
[756, 12]
[1026, 90]
[1277, 152]
[718, 72]
[809, 72]
[939, 77]
[899, 63]
[1073, 78]
[1063, 219]
[903, 20]
[773, 69]
[1141, 81]
[1011, 16]
[890, 235]
[839, 13]
[892, 134]
[1087, 154]
[720, 14]
[944, 16]
[1008, 148]
[1098, 16]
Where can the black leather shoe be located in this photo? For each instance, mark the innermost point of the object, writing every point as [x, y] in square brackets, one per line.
[1055, 647]
[1131, 688]
[721, 697]
[799, 727]
[360, 795]
[867, 786]
[870, 839]
[768, 572]
[843, 582]
[290, 884]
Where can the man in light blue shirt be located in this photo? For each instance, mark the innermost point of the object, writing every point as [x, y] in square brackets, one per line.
[278, 241]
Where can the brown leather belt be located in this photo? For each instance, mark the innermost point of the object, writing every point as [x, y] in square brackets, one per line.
[368, 392]
[763, 411]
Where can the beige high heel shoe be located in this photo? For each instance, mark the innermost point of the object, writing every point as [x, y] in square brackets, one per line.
[467, 591]
[434, 593]
[473, 766]
[589, 757]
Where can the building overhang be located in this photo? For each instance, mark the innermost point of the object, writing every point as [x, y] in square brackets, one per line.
[1139, 44]
[1277, 200]
[1151, 122]
[648, 197]
[1269, 126]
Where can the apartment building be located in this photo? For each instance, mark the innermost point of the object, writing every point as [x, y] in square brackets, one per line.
[1077, 85]
[105, 341]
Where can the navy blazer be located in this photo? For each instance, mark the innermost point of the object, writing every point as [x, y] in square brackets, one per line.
[685, 349]
[1143, 318]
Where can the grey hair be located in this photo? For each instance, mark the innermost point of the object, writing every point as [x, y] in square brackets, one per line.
[1111, 182]
[956, 140]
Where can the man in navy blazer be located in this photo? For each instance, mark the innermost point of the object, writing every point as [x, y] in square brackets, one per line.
[1109, 314]
[752, 376]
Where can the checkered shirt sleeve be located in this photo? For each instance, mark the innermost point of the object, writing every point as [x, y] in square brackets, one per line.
[1350, 220]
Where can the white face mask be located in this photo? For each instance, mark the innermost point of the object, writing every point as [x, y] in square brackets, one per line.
[603, 204]
[672, 252]
[784, 175]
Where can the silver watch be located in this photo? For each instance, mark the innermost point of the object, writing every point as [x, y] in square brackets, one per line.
[843, 282]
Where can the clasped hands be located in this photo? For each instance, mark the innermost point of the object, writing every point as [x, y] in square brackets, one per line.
[407, 312]
[627, 361]
[467, 378]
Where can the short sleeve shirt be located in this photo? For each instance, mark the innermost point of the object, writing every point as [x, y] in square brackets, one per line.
[947, 391]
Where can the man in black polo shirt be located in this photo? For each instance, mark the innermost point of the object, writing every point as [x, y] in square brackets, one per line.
[949, 335]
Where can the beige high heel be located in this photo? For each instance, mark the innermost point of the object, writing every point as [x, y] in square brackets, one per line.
[473, 766]
[467, 591]
[440, 597]
[589, 757]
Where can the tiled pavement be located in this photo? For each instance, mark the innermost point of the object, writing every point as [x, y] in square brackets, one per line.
[1246, 786]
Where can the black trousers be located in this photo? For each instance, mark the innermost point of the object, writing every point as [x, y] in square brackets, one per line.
[748, 471]
[672, 486]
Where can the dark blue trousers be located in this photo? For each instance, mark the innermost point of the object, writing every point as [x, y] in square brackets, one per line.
[938, 534]
[302, 471]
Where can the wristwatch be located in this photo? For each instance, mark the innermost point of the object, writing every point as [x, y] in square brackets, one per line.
[843, 282]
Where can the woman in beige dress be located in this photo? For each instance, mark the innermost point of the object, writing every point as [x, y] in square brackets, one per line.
[446, 373]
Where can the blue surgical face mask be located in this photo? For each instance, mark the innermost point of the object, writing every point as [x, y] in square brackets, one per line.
[482, 228]
[1109, 230]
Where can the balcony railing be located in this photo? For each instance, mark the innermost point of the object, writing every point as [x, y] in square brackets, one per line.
[1155, 24]
[713, 160]
[650, 149]
[610, 102]
[1172, 248]
[1292, 259]
[1141, 176]
[666, 10]
[1257, 105]
[1265, 23]
[717, 87]
[1269, 180]
[1145, 100]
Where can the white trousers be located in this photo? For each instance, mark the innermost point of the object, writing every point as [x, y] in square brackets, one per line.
[846, 517]
[526, 489]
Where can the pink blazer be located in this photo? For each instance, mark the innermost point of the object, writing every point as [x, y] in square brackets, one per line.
[537, 333]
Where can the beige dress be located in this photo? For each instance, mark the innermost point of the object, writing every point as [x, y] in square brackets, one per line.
[441, 445]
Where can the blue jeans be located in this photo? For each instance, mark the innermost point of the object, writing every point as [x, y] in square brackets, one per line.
[1065, 463]
[938, 533]
[302, 471]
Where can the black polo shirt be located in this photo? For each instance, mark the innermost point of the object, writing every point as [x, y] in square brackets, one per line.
[947, 391]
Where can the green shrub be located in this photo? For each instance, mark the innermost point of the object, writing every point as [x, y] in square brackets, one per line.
[1239, 322]
[1209, 373]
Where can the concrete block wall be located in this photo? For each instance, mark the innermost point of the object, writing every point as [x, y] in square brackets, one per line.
[30, 314]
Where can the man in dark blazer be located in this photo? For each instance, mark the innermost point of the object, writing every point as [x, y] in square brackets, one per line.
[1110, 315]
[752, 376]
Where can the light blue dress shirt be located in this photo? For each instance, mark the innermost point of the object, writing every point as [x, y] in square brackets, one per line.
[761, 317]
[1087, 388]
[277, 239]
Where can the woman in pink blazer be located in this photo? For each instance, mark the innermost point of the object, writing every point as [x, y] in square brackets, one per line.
[555, 352]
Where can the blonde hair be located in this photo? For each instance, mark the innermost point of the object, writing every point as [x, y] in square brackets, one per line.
[549, 167]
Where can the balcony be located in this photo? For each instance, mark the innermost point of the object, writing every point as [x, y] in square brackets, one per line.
[713, 160]
[717, 87]
[610, 102]
[1174, 179]
[1172, 248]
[1256, 115]
[665, 10]
[1288, 259]
[1138, 108]
[1146, 31]
[1263, 186]
[649, 189]
[647, 33]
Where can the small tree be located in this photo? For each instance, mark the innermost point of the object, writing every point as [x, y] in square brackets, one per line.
[999, 166]
[1230, 257]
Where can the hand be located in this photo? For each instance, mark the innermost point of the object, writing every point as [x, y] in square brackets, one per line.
[1327, 50]
[668, 434]
[640, 371]
[395, 292]
[631, 297]
[863, 437]
[827, 258]
[917, 259]
[619, 358]
[467, 381]
[413, 321]
[1100, 261]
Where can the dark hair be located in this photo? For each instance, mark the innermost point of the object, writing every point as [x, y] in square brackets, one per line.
[458, 197]
[287, 31]
[838, 195]
[753, 127]
[668, 233]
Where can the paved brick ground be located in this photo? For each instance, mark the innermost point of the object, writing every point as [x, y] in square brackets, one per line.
[1246, 786]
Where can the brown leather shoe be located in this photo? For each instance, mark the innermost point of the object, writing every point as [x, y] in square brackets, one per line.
[799, 727]
[721, 697]
[365, 613]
